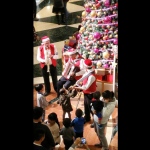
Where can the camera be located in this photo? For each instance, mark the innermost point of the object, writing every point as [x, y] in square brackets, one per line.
[83, 141]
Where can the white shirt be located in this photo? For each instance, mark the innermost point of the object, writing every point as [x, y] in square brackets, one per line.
[55, 56]
[91, 79]
[55, 132]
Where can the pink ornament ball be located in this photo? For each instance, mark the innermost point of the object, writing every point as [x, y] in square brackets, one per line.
[88, 10]
[106, 3]
[107, 19]
[105, 66]
[96, 50]
[115, 41]
[78, 36]
[97, 35]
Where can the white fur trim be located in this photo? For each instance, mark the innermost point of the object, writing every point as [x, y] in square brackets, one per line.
[70, 53]
[44, 40]
[87, 65]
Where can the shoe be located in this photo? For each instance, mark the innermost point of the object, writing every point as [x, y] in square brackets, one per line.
[92, 125]
[46, 93]
[98, 145]
[36, 19]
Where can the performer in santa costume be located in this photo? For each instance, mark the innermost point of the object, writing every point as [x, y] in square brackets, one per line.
[73, 70]
[88, 85]
[47, 55]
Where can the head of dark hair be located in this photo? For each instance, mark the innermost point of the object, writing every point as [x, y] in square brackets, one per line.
[98, 106]
[38, 134]
[79, 113]
[61, 91]
[53, 116]
[108, 94]
[67, 122]
[97, 95]
[79, 26]
[38, 87]
[37, 112]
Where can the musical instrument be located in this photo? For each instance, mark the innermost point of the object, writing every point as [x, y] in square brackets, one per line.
[73, 71]
[70, 70]
[47, 59]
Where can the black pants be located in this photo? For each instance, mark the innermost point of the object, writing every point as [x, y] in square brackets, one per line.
[34, 8]
[67, 143]
[87, 106]
[53, 72]
[79, 134]
[63, 81]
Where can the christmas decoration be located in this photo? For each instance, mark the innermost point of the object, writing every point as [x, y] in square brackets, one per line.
[99, 32]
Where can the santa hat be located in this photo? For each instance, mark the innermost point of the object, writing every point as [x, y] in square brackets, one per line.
[44, 39]
[88, 63]
[71, 51]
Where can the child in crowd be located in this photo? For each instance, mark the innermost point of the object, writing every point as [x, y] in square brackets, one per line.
[67, 133]
[96, 97]
[41, 100]
[78, 123]
[54, 127]
[64, 101]
[97, 111]
[39, 136]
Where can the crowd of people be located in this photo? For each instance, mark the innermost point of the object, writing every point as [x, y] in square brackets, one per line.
[73, 128]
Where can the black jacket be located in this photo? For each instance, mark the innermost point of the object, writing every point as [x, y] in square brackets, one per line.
[48, 141]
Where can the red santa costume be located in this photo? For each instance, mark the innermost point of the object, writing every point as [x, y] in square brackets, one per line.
[88, 87]
[74, 69]
[47, 55]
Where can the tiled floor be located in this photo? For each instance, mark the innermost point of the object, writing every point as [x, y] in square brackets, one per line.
[58, 34]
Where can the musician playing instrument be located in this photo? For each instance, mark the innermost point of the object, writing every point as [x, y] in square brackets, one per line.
[47, 55]
[74, 69]
[88, 86]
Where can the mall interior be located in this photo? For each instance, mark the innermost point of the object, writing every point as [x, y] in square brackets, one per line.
[46, 25]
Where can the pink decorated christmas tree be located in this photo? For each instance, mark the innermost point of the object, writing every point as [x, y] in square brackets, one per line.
[98, 35]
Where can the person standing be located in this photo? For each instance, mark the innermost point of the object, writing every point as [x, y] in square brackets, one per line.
[65, 7]
[109, 106]
[47, 55]
[78, 123]
[88, 85]
[34, 11]
[67, 133]
[96, 97]
[39, 136]
[41, 100]
[58, 7]
[54, 127]
[48, 141]
[64, 101]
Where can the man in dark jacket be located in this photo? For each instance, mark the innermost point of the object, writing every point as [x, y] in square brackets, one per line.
[34, 11]
[48, 142]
